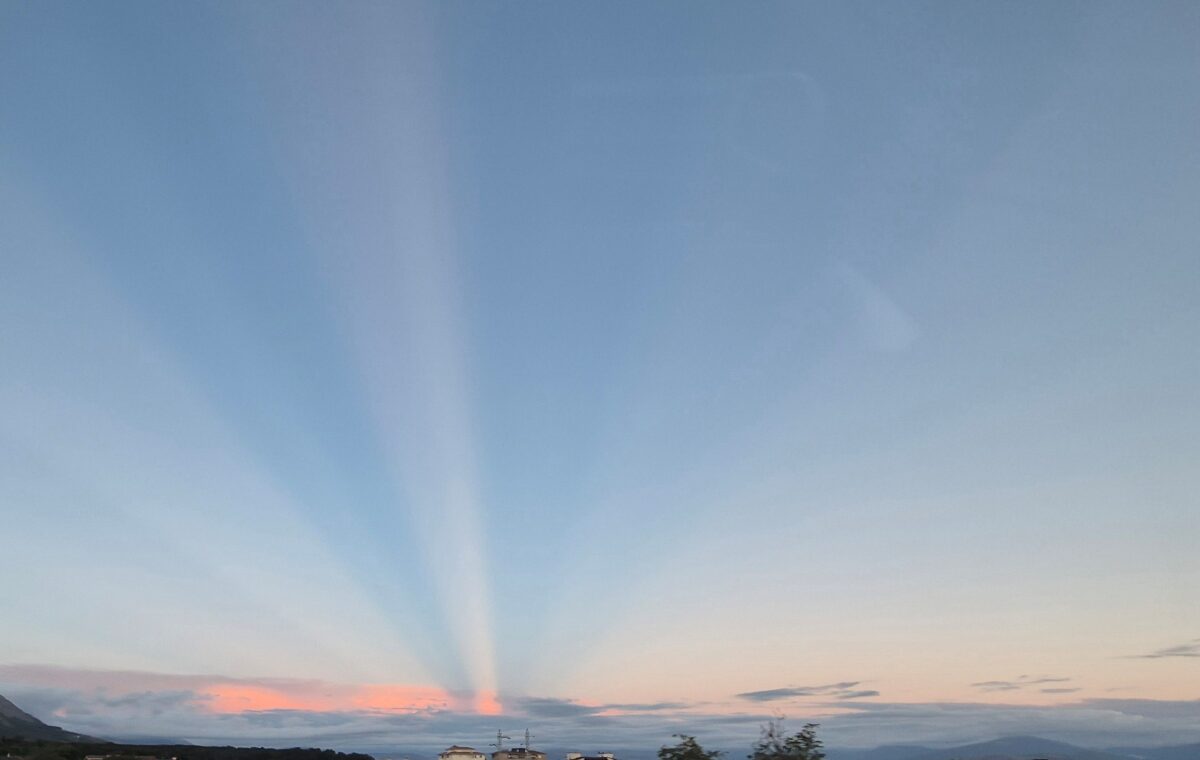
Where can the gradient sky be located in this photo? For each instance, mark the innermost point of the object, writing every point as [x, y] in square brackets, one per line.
[626, 366]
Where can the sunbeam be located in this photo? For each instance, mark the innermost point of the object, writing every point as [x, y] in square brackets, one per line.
[386, 230]
[213, 530]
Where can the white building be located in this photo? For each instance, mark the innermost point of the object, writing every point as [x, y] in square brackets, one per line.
[461, 753]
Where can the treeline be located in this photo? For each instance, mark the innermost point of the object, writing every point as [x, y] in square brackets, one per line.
[48, 750]
[773, 744]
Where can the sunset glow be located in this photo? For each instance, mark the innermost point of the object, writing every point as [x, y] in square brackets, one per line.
[487, 703]
[236, 698]
[385, 698]
[396, 698]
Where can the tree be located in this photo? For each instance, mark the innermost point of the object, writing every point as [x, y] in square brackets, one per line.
[776, 745]
[687, 749]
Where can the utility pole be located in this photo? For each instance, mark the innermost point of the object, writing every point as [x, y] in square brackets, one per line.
[500, 737]
[528, 736]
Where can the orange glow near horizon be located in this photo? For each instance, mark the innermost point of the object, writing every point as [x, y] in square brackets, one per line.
[236, 697]
[486, 703]
[400, 698]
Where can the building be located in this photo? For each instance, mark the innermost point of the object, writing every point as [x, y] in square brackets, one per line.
[456, 752]
[518, 753]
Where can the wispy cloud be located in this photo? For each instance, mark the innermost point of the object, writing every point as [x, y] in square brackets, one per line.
[1018, 683]
[863, 694]
[551, 707]
[995, 685]
[649, 707]
[840, 690]
[544, 707]
[1188, 649]
[884, 325]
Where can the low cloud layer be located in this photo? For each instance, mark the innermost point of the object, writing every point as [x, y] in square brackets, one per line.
[222, 694]
[551, 707]
[125, 705]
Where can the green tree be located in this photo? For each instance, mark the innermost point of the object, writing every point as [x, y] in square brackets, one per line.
[687, 749]
[777, 745]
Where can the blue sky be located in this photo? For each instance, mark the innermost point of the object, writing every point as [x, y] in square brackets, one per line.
[613, 355]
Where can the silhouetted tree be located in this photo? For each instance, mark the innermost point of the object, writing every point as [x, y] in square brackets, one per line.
[776, 745]
[687, 749]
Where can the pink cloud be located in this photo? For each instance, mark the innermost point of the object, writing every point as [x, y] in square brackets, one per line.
[244, 697]
[226, 695]
[487, 703]
[397, 697]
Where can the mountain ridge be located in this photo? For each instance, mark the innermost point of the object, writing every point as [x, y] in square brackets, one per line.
[1016, 748]
[1024, 747]
[15, 722]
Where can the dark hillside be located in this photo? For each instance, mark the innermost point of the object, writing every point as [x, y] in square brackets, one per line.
[15, 722]
[77, 750]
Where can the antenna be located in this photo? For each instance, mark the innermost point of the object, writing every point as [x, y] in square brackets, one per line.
[500, 737]
[528, 736]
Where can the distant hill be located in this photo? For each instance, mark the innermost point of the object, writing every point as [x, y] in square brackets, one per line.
[24, 736]
[1017, 748]
[15, 722]
[38, 749]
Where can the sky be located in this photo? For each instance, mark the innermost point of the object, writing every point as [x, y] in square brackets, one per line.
[379, 375]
